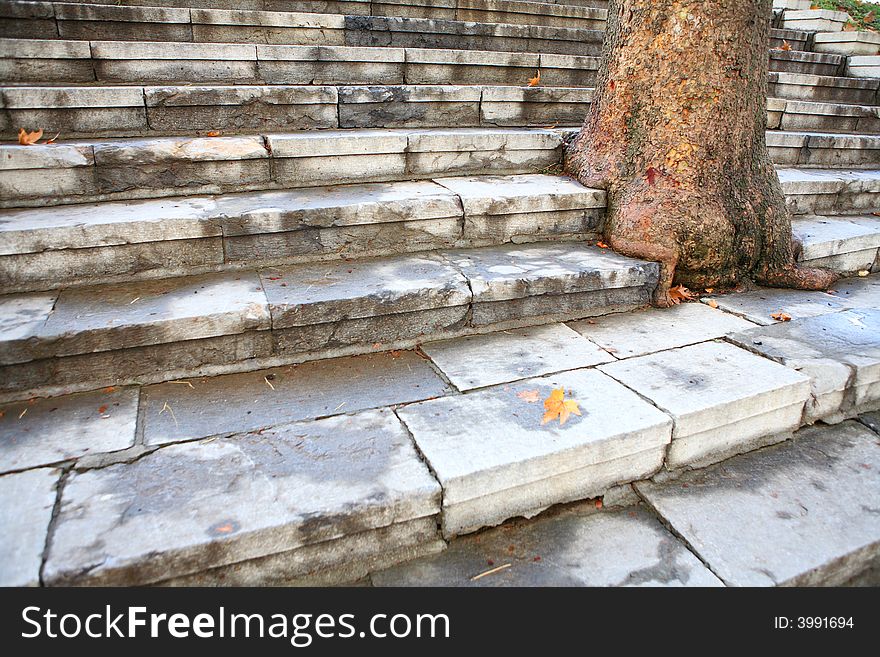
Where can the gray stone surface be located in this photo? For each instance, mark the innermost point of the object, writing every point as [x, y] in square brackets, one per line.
[862, 292]
[26, 503]
[654, 329]
[872, 421]
[840, 352]
[496, 460]
[574, 548]
[46, 431]
[758, 306]
[204, 505]
[311, 294]
[513, 272]
[151, 312]
[498, 195]
[484, 360]
[802, 513]
[724, 400]
[233, 403]
[22, 316]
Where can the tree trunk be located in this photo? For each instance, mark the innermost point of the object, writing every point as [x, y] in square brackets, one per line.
[676, 137]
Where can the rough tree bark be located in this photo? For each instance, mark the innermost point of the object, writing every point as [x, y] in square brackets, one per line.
[676, 137]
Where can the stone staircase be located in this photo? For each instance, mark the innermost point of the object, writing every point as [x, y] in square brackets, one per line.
[378, 176]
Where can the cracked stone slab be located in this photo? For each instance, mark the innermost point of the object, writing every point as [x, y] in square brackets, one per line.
[328, 292]
[872, 421]
[655, 329]
[21, 318]
[26, 503]
[483, 360]
[574, 548]
[203, 505]
[862, 292]
[840, 352]
[758, 305]
[495, 195]
[233, 403]
[723, 399]
[495, 460]
[806, 512]
[107, 317]
[514, 272]
[55, 429]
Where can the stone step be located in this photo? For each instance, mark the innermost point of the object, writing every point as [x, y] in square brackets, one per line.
[123, 111]
[23, 19]
[817, 191]
[805, 526]
[241, 320]
[656, 390]
[82, 171]
[847, 244]
[46, 248]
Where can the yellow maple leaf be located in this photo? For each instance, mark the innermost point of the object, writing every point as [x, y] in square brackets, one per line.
[557, 406]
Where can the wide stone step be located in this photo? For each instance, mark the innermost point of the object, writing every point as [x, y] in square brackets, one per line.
[123, 111]
[847, 244]
[809, 495]
[116, 169]
[46, 248]
[818, 191]
[246, 319]
[149, 168]
[488, 11]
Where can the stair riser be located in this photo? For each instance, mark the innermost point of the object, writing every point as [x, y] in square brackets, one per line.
[161, 111]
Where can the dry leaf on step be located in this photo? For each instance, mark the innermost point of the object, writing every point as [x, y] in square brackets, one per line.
[529, 396]
[535, 81]
[557, 406]
[680, 293]
[781, 317]
[26, 138]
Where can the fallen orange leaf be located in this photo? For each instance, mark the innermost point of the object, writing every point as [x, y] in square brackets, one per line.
[109, 389]
[557, 406]
[529, 396]
[102, 409]
[710, 290]
[214, 133]
[785, 46]
[601, 245]
[533, 82]
[598, 503]
[680, 293]
[781, 317]
[712, 303]
[26, 138]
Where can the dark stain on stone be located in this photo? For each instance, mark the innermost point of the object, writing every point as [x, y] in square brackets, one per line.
[665, 571]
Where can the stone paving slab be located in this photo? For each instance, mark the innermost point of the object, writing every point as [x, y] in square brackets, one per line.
[495, 460]
[721, 397]
[26, 503]
[21, 318]
[501, 357]
[802, 513]
[46, 431]
[872, 421]
[574, 548]
[653, 329]
[129, 315]
[223, 405]
[862, 292]
[840, 352]
[758, 306]
[204, 505]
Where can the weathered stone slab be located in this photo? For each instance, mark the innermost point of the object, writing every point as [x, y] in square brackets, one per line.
[803, 86]
[495, 460]
[57, 429]
[319, 293]
[21, 318]
[152, 312]
[758, 306]
[484, 360]
[428, 66]
[410, 105]
[26, 503]
[848, 43]
[514, 272]
[801, 513]
[846, 244]
[575, 548]
[723, 399]
[651, 330]
[239, 498]
[233, 403]
[862, 292]
[494, 195]
[872, 421]
[840, 352]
